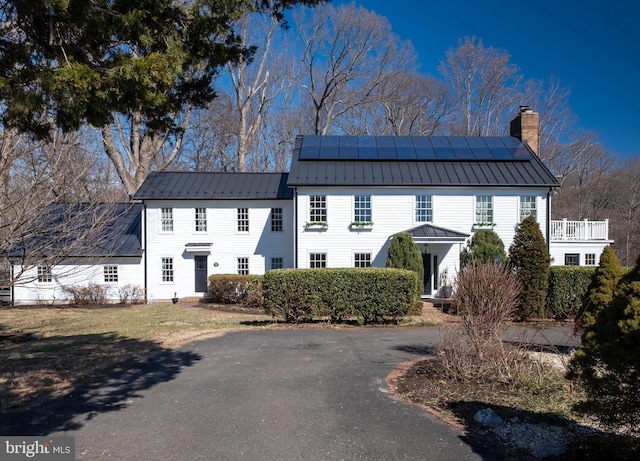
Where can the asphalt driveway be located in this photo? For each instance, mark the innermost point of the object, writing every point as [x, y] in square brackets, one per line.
[293, 394]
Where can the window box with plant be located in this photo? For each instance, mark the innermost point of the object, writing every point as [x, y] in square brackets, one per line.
[361, 225]
[484, 225]
[316, 225]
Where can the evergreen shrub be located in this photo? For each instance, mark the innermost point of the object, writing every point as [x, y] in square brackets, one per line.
[373, 295]
[485, 246]
[567, 288]
[403, 253]
[235, 289]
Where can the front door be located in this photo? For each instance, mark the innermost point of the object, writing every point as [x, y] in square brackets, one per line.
[426, 264]
[200, 263]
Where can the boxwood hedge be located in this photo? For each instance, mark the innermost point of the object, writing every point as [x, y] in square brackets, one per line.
[373, 295]
[567, 287]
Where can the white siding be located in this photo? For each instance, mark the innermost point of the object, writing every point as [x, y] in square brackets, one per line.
[260, 244]
[558, 250]
[28, 290]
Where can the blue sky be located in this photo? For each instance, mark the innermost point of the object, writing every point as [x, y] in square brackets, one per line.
[592, 46]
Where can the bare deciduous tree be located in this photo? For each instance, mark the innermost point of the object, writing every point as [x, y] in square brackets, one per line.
[349, 52]
[485, 87]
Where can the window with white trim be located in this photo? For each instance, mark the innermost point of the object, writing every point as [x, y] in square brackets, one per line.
[424, 208]
[590, 259]
[362, 208]
[318, 208]
[317, 260]
[243, 266]
[110, 274]
[166, 219]
[44, 274]
[243, 220]
[276, 220]
[362, 260]
[167, 269]
[277, 263]
[484, 209]
[201, 220]
[528, 207]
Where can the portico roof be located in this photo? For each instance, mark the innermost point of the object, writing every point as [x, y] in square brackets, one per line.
[428, 233]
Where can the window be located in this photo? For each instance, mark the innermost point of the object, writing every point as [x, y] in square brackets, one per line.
[318, 208]
[167, 269]
[44, 274]
[243, 266]
[571, 259]
[484, 209]
[276, 263]
[528, 207]
[166, 218]
[362, 208]
[317, 260]
[201, 220]
[243, 219]
[110, 274]
[276, 219]
[590, 259]
[362, 260]
[424, 210]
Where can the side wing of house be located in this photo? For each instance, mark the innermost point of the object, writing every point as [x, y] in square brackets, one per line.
[46, 268]
[200, 224]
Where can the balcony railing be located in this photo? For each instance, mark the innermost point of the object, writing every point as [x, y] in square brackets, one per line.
[580, 230]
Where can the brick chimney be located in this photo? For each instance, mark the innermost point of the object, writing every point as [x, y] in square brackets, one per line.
[526, 127]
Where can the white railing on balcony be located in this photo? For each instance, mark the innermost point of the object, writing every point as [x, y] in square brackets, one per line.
[580, 230]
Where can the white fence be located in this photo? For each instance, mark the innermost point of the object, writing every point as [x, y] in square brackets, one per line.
[580, 230]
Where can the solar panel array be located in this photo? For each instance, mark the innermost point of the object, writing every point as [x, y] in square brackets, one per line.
[412, 148]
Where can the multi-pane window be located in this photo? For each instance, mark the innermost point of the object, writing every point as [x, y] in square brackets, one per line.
[277, 263]
[424, 209]
[484, 209]
[590, 259]
[167, 269]
[166, 219]
[243, 266]
[318, 208]
[528, 207]
[317, 260]
[362, 260]
[276, 219]
[44, 274]
[243, 219]
[362, 208]
[110, 274]
[571, 259]
[201, 219]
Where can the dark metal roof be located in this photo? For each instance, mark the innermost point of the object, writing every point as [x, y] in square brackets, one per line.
[219, 186]
[431, 232]
[416, 160]
[83, 230]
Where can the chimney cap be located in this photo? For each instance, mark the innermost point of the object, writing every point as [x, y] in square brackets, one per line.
[524, 109]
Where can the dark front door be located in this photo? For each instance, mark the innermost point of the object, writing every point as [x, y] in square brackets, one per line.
[200, 273]
[426, 264]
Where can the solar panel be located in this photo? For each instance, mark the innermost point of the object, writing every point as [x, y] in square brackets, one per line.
[412, 148]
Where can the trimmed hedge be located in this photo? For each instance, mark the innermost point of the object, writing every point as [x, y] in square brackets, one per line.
[374, 295]
[567, 288]
[236, 289]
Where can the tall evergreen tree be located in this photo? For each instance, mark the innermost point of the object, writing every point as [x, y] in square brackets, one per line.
[529, 258]
[608, 366]
[404, 254]
[600, 291]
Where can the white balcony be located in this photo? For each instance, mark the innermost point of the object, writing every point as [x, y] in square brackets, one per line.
[579, 230]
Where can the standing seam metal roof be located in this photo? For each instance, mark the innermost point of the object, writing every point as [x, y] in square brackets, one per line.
[219, 186]
[415, 160]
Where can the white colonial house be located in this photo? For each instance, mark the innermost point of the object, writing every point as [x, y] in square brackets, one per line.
[341, 202]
